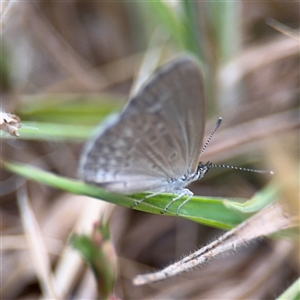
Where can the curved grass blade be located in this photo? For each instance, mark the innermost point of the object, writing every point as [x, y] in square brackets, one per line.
[206, 210]
[41, 131]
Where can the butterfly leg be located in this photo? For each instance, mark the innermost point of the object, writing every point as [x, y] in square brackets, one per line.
[137, 202]
[184, 202]
[183, 192]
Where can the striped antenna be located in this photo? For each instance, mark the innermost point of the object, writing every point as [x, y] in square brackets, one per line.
[241, 169]
[210, 165]
[210, 136]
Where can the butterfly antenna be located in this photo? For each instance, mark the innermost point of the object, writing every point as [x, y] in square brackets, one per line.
[227, 166]
[210, 136]
[241, 169]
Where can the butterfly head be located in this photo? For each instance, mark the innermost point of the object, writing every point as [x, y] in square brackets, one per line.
[202, 170]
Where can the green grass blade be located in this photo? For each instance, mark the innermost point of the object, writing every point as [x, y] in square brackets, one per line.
[191, 27]
[206, 210]
[292, 293]
[51, 131]
[261, 199]
[68, 109]
[171, 21]
[99, 255]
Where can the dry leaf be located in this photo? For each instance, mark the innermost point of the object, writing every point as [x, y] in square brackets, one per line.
[9, 123]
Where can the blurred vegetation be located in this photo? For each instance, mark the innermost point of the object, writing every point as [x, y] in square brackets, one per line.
[65, 66]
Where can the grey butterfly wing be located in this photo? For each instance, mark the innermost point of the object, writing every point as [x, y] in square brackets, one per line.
[176, 93]
[134, 154]
[156, 139]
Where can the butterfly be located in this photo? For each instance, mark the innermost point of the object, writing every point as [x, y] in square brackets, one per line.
[155, 143]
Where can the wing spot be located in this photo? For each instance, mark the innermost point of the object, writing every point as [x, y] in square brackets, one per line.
[128, 157]
[172, 155]
[153, 138]
[118, 153]
[160, 125]
[105, 150]
[145, 127]
[102, 160]
[113, 162]
[128, 132]
[119, 143]
[162, 129]
[154, 167]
